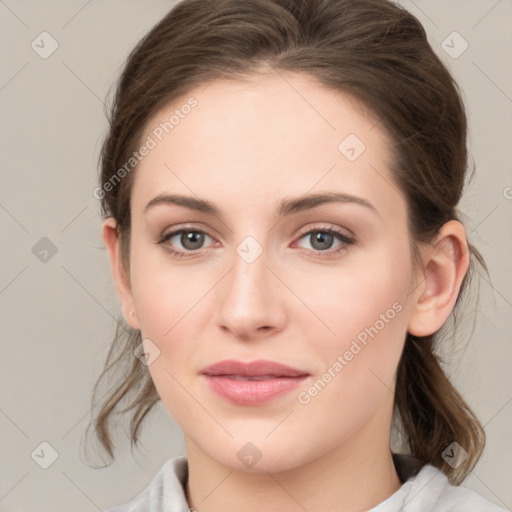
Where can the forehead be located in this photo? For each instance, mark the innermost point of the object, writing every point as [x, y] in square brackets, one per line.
[249, 143]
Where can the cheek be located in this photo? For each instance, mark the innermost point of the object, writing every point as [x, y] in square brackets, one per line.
[356, 367]
[166, 295]
[366, 311]
[370, 296]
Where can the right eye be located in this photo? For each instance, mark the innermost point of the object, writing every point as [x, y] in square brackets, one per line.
[191, 240]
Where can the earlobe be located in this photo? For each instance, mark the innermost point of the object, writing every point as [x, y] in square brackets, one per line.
[120, 275]
[445, 263]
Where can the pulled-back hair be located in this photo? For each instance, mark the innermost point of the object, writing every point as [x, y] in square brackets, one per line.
[373, 50]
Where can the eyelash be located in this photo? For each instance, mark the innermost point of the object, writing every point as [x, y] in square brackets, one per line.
[346, 241]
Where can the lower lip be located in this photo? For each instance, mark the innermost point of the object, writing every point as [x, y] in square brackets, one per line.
[252, 392]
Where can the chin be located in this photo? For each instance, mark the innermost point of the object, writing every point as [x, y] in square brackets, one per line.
[256, 457]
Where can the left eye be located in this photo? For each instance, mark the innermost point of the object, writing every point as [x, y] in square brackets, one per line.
[323, 240]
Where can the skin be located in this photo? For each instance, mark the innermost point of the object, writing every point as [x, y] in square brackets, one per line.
[245, 147]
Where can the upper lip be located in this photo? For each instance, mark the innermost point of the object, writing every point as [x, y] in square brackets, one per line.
[257, 368]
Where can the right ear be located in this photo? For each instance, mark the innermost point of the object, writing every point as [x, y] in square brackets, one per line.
[110, 236]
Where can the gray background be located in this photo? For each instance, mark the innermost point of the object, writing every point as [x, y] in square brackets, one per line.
[57, 315]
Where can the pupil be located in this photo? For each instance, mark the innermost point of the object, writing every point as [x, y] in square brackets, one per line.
[192, 240]
[325, 240]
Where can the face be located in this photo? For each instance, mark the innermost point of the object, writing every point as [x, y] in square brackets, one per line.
[264, 274]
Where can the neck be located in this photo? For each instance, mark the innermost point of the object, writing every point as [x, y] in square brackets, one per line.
[351, 478]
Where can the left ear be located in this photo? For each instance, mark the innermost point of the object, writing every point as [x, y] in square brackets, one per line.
[445, 263]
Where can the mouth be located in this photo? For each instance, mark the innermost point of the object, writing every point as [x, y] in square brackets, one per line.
[253, 383]
[245, 377]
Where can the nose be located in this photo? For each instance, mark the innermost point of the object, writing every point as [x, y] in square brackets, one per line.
[251, 297]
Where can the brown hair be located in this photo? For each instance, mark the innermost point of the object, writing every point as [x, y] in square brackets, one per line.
[373, 50]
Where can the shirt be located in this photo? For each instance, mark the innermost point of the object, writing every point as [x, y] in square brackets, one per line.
[424, 489]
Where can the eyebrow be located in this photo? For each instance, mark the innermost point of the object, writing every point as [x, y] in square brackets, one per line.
[286, 206]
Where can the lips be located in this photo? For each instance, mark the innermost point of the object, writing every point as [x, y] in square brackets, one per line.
[252, 383]
[261, 368]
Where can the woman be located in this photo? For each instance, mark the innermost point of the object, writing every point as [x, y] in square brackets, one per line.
[280, 185]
